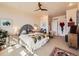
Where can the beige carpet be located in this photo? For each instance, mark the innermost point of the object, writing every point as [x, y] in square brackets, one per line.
[55, 42]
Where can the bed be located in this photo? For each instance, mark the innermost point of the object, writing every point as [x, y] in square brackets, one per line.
[33, 40]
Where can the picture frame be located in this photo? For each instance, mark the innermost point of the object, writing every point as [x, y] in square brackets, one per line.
[5, 22]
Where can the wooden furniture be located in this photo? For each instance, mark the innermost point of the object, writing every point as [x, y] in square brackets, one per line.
[73, 40]
[73, 37]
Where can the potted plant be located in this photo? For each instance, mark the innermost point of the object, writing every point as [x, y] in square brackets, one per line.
[3, 36]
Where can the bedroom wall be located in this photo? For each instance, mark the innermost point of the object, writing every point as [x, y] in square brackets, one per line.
[44, 22]
[72, 13]
[18, 18]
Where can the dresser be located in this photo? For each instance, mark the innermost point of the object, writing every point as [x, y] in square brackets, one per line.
[73, 40]
[73, 37]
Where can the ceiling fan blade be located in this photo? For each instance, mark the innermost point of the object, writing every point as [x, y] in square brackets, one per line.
[44, 9]
[39, 5]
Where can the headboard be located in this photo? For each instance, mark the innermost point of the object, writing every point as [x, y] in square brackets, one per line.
[27, 27]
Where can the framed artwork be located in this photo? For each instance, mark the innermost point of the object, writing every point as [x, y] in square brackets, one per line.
[5, 22]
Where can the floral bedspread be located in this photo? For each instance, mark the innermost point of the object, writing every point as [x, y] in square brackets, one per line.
[38, 37]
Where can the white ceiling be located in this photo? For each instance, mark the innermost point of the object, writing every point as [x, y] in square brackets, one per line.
[54, 8]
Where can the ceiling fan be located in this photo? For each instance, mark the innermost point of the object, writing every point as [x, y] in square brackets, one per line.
[40, 8]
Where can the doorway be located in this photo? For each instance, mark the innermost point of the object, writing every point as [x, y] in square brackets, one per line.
[55, 26]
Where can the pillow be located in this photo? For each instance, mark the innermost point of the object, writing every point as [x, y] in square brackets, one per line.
[23, 32]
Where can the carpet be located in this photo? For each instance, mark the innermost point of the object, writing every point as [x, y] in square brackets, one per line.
[61, 52]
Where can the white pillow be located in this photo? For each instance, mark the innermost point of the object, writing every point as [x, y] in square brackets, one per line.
[23, 32]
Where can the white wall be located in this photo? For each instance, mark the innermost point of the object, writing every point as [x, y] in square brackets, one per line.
[44, 22]
[71, 13]
[18, 19]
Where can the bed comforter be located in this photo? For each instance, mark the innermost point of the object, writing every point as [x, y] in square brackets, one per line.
[34, 40]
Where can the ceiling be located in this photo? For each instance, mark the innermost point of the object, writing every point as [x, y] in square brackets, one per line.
[54, 8]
